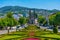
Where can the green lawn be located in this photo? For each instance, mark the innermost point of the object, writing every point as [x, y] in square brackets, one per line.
[24, 33]
[14, 35]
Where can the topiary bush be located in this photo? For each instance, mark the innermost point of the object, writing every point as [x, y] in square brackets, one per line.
[55, 30]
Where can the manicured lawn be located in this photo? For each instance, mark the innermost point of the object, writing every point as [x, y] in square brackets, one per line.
[24, 33]
[13, 35]
[51, 36]
[9, 37]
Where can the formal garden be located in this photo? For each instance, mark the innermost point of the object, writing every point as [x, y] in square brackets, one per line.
[32, 31]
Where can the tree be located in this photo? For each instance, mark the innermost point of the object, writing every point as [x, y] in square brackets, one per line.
[55, 21]
[27, 20]
[15, 22]
[22, 21]
[10, 20]
[9, 15]
[1, 23]
[41, 19]
[6, 23]
[45, 23]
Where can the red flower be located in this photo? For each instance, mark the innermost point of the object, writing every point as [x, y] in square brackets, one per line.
[32, 39]
[31, 34]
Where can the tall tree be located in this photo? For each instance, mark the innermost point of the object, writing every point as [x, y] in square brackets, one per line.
[10, 20]
[1, 23]
[55, 21]
[41, 19]
[22, 21]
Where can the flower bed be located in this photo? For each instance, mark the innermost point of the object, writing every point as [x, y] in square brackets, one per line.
[32, 39]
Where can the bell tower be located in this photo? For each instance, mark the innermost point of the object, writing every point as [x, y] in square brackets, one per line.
[32, 16]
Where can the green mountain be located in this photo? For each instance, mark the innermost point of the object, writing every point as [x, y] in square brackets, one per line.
[18, 9]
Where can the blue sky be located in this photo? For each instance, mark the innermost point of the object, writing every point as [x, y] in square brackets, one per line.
[41, 4]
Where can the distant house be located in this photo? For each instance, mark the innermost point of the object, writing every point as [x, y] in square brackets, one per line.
[17, 16]
[25, 14]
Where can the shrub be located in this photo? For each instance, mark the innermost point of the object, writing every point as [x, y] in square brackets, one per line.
[55, 30]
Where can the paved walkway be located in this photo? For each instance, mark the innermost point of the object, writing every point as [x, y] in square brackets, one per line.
[5, 31]
[48, 29]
